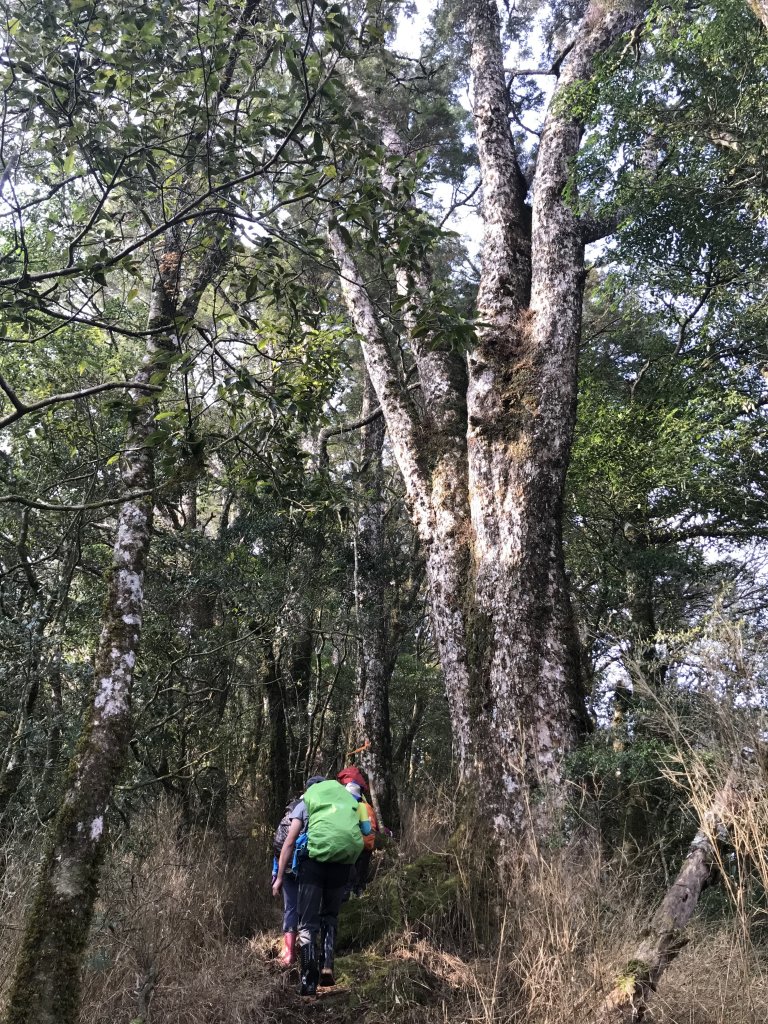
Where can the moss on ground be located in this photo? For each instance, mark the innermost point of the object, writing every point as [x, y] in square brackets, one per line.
[414, 895]
[380, 983]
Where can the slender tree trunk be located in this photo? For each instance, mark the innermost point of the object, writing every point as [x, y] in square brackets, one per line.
[46, 984]
[278, 765]
[404, 755]
[375, 662]
[52, 768]
[15, 757]
[646, 663]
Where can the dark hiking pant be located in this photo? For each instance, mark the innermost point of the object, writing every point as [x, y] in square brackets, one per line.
[321, 890]
[290, 903]
[358, 876]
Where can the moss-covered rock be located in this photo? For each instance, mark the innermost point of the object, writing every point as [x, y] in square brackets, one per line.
[413, 895]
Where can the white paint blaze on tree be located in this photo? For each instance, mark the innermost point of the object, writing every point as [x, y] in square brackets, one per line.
[484, 454]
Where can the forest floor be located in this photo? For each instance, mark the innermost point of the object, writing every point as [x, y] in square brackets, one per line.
[426, 943]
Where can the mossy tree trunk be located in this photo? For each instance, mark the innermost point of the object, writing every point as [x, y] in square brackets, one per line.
[46, 984]
[484, 450]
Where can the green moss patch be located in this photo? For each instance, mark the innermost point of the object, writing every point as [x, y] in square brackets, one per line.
[381, 983]
[414, 895]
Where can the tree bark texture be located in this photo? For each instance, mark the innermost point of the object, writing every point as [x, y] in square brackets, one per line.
[46, 985]
[375, 660]
[664, 936]
[760, 7]
[484, 455]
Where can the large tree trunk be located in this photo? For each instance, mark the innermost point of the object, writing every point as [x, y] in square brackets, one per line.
[375, 660]
[484, 459]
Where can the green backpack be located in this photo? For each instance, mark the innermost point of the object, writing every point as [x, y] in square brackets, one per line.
[334, 830]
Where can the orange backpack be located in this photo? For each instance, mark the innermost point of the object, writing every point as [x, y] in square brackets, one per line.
[369, 841]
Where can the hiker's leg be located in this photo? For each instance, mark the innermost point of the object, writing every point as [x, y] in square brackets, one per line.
[290, 919]
[290, 903]
[362, 868]
[336, 876]
[310, 899]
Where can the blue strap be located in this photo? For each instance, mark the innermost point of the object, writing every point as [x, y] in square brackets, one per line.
[299, 850]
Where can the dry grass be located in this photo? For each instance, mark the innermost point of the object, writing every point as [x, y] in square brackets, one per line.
[17, 867]
[191, 921]
[169, 932]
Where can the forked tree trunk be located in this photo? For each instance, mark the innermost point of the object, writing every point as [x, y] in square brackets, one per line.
[485, 453]
[375, 661]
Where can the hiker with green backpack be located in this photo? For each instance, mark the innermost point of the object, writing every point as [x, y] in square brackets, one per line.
[334, 824]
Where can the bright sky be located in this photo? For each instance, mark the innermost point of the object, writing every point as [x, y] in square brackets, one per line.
[408, 38]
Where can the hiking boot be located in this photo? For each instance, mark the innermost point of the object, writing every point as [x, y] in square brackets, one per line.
[328, 938]
[309, 970]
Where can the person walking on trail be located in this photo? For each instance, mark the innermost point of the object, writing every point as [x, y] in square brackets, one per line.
[290, 888]
[334, 826]
[356, 783]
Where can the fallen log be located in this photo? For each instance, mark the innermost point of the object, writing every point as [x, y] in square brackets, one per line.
[665, 936]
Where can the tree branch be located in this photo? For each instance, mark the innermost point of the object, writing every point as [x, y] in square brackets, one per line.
[345, 428]
[22, 409]
[594, 228]
[45, 506]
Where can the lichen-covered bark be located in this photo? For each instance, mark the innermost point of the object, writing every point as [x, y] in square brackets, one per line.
[760, 7]
[399, 412]
[521, 407]
[375, 661]
[484, 454]
[46, 983]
